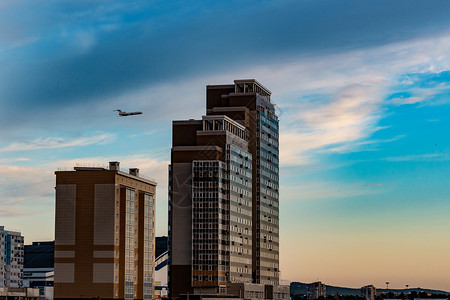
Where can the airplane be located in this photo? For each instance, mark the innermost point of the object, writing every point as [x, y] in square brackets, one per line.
[124, 114]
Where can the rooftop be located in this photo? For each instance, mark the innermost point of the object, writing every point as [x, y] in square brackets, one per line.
[251, 86]
[113, 166]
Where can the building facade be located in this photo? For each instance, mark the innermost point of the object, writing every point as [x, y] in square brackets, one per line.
[316, 290]
[369, 292]
[38, 269]
[104, 233]
[223, 193]
[11, 258]
[161, 288]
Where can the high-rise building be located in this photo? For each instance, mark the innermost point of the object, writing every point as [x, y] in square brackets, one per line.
[104, 233]
[11, 258]
[223, 193]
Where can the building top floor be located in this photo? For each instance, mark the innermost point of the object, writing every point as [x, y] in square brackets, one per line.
[5, 232]
[102, 173]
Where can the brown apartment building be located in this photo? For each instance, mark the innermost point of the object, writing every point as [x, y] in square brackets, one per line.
[104, 234]
[223, 196]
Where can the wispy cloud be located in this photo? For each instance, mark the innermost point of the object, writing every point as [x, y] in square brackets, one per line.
[59, 142]
[322, 189]
[351, 115]
[151, 132]
[10, 160]
[419, 157]
[342, 98]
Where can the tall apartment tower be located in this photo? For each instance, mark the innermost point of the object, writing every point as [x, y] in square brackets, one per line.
[223, 193]
[11, 258]
[104, 234]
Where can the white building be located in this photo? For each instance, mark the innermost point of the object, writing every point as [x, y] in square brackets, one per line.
[161, 275]
[11, 258]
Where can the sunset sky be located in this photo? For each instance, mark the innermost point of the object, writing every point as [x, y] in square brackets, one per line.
[362, 90]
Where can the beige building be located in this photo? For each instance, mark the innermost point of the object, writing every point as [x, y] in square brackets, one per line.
[8, 293]
[104, 234]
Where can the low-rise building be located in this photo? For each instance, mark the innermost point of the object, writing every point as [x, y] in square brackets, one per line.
[7, 293]
[38, 270]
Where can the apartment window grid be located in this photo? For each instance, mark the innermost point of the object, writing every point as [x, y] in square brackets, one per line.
[267, 195]
[11, 258]
[129, 244]
[148, 250]
[240, 195]
[209, 221]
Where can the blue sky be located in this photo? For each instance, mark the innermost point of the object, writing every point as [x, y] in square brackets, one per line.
[362, 89]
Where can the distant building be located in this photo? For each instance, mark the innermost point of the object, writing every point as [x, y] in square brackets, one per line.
[104, 234]
[161, 245]
[368, 292]
[38, 270]
[161, 288]
[161, 267]
[7, 293]
[316, 290]
[11, 258]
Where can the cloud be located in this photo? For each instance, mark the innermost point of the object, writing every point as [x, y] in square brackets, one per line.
[28, 190]
[322, 190]
[155, 43]
[340, 99]
[8, 211]
[10, 160]
[350, 115]
[409, 100]
[58, 142]
[23, 186]
[367, 145]
[419, 157]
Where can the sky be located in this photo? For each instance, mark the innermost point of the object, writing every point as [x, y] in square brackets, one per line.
[362, 90]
